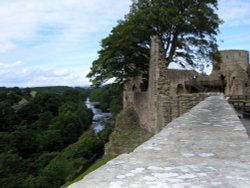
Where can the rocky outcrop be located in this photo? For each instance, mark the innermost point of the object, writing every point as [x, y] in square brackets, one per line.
[127, 134]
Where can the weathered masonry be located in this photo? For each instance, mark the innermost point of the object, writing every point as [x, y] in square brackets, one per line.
[206, 147]
[172, 92]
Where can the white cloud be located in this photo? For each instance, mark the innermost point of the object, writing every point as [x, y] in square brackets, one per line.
[71, 20]
[235, 12]
[47, 33]
[65, 34]
[19, 74]
[61, 72]
[7, 66]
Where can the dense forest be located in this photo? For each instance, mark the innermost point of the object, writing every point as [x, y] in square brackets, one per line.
[45, 134]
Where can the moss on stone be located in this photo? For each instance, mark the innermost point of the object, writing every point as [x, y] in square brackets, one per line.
[127, 134]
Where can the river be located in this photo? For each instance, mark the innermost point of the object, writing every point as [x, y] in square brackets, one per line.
[99, 116]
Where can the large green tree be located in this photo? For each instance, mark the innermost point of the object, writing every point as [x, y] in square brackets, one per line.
[187, 29]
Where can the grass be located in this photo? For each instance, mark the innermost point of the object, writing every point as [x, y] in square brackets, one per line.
[95, 166]
[126, 137]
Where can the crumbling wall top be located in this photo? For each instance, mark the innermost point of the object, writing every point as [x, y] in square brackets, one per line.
[240, 57]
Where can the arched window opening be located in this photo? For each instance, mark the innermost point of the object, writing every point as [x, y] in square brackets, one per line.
[179, 89]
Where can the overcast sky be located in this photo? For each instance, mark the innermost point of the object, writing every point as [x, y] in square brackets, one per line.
[53, 42]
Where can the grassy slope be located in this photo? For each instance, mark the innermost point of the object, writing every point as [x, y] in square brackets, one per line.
[127, 134]
[126, 137]
[95, 166]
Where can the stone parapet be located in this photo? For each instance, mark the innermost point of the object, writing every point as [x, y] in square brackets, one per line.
[171, 107]
[206, 147]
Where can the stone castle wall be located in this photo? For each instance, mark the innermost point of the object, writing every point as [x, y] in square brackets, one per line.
[177, 78]
[239, 57]
[172, 107]
[234, 67]
[155, 111]
[142, 108]
[167, 96]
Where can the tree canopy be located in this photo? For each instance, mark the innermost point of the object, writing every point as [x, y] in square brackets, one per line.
[187, 29]
[109, 97]
[49, 140]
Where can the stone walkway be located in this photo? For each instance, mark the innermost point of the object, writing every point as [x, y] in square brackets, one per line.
[207, 147]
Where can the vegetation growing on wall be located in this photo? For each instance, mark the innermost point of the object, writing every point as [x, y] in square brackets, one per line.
[127, 134]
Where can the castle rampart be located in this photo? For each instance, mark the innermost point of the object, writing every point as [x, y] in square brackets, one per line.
[206, 147]
[173, 92]
[240, 57]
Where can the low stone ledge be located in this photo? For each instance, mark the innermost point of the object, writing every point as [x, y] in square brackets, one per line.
[206, 147]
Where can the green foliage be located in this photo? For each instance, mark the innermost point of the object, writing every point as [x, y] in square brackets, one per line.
[54, 174]
[29, 113]
[69, 163]
[74, 95]
[13, 95]
[109, 126]
[8, 118]
[6, 142]
[25, 142]
[44, 120]
[186, 28]
[45, 142]
[95, 166]
[73, 118]
[11, 170]
[48, 101]
[87, 146]
[127, 134]
[109, 96]
[42, 161]
[51, 140]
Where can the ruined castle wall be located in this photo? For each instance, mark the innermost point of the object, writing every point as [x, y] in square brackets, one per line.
[175, 75]
[172, 107]
[167, 97]
[158, 84]
[237, 80]
[140, 103]
[141, 107]
[164, 100]
[240, 57]
[167, 108]
[177, 79]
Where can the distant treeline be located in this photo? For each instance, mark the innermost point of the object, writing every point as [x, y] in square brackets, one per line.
[45, 138]
[61, 89]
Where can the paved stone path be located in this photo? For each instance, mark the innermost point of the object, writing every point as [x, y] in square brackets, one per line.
[207, 147]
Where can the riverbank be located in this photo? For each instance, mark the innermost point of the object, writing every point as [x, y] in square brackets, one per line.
[99, 118]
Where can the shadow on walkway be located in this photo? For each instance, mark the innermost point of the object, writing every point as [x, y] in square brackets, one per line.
[246, 123]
